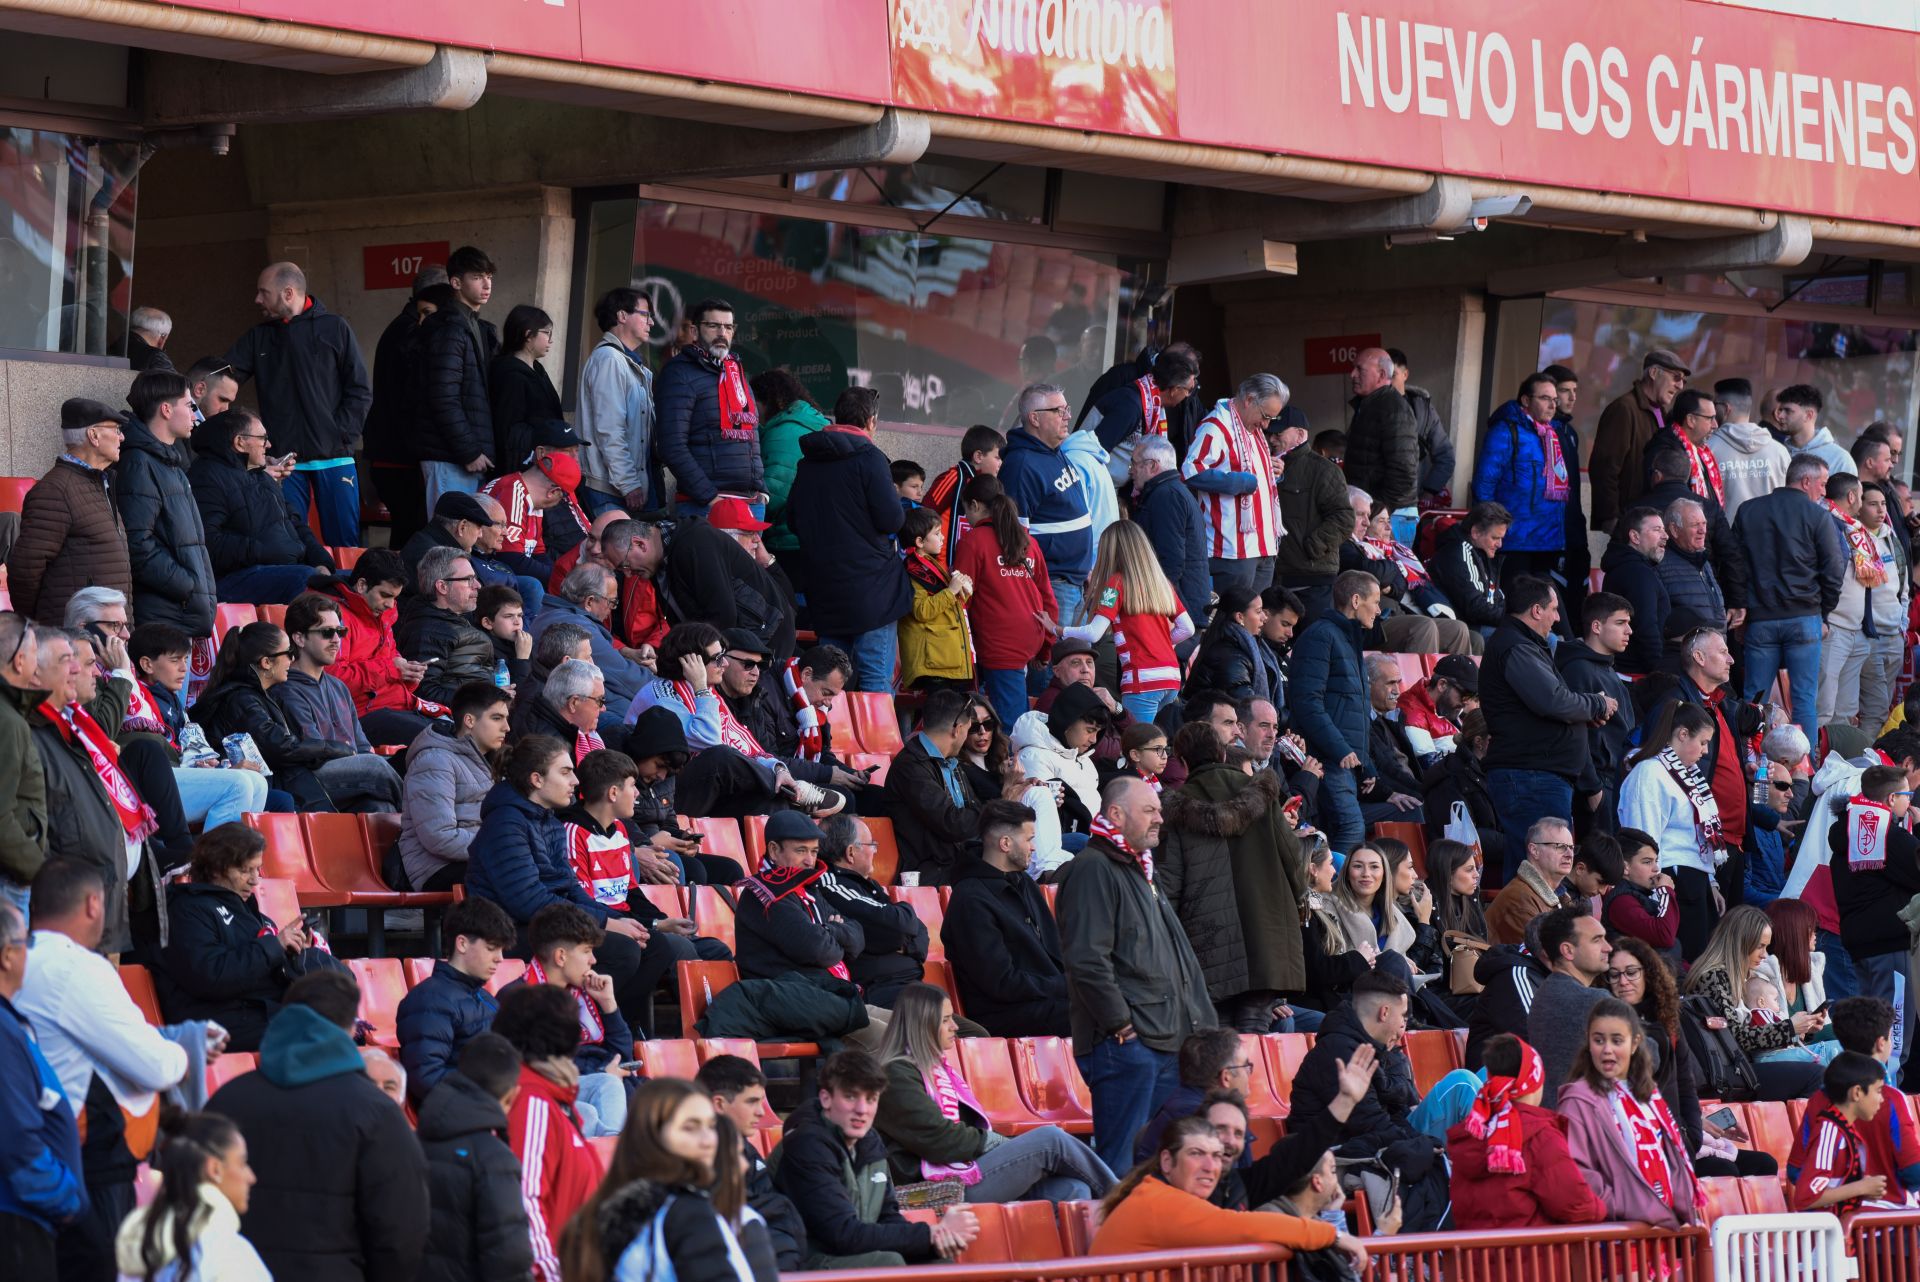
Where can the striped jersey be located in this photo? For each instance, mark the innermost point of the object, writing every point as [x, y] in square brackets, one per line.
[1144, 642]
[558, 1168]
[1835, 1157]
[525, 531]
[1240, 527]
[603, 865]
[1891, 1140]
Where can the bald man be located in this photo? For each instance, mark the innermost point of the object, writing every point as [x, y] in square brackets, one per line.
[1383, 447]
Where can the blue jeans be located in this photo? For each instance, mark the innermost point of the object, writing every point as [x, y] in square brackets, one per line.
[1793, 644]
[1303, 1020]
[594, 502]
[211, 796]
[1006, 690]
[1523, 797]
[1841, 980]
[445, 478]
[873, 655]
[265, 584]
[1128, 1080]
[1884, 975]
[1340, 809]
[16, 893]
[1046, 1165]
[602, 1105]
[1143, 708]
[1067, 594]
[335, 491]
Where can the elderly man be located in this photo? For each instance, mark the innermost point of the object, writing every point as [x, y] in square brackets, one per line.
[1537, 885]
[1164, 508]
[1791, 534]
[569, 708]
[1383, 444]
[1134, 987]
[458, 520]
[1044, 483]
[1632, 566]
[434, 627]
[70, 533]
[1686, 570]
[743, 689]
[719, 571]
[23, 781]
[262, 553]
[1868, 628]
[1667, 483]
[318, 705]
[1074, 663]
[1617, 468]
[1229, 466]
[588, 598]
[493, 571]
[895, 939]
[560, 642]
[1394, 792]
[148, 329]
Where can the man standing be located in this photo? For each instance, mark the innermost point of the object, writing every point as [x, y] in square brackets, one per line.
[1229, 465]
[314, 392]
[1436, 447]
[1687, 569]
[1751, 462]
[319, 706]
[70, 532]
[148, 329]
[615, 416]
[1667, 483]
[1575, 944]
[1790, 533]
[1138, 411]
[1319, 521]
[166, 542]
[1587, 666]
[1134, 987]
[42, 1191]
[434, 629]
[1383, 448]
[1868, 627]
[1331, 701]
[1523, 469]
[709, 425]
[1537, 885]
[453, 437]
[1001, 938]
[1632, 567]
[1043, 482]
[1617, 468]
[387, 451]
[1538, 724]
[1798, 408]
[23, 781]
[262, 553]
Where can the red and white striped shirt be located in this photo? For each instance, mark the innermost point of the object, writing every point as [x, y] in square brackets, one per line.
[526, 532]
[1143, 642]
[1240, 527]
[603, 865]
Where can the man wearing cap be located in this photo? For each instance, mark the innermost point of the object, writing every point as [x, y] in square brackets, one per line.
[1430, 710]
[616, 406]
[70, 534]
[1075, 664]
[434, 626]
[492, 569]
[457, 521]
[718, 571]
[1618, 465]
[525, 496]
[564, 526]
[588, 598]
[744, 687]
[261, 552]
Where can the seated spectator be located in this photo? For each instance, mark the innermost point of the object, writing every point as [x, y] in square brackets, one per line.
[1214, 1060]
[986, 754]
[999, 932]
[1164, 1204]
[1508, 976]
[451, 767]
[224, 960]
[1597, 869]
[587, 599]
[262, 552]
[524, 495]
[747, 691]
[193, 1221]
[1720, 974]
[1669, 794]
[435, 629]
[458, 520]
[501, 614]
[1794, 965]
[1835, 1175]
[1541, 885]
[1231, 658]
[1430, 710]
[1416, 904]
[796, 725]
[1642, 904]
[934, 806]
[1394, 795]
[1783, 750]
[1864, 1025]
[936, 1130]
[453, 1005]
[1460, 778]
[1055, 751]
[1333, 961]
[557, 644]
[830, 1150]
[108, 1059]
[1073, 664]
[386, 1073]
[559, 1170]
[340, 1182]
[214, 792]
[1407, 593]
[739, 1092]
[562, 939]
[1306, 1150]
[1466, 566]
[1459, 919]
[479, 1221]
[370, 662]
[666, 852]
[1574, 946]
[895, 939]
[785, 930]
[1368, 909]
[319, 706]
[252, 660]
[569, 708]
[1511, 1165]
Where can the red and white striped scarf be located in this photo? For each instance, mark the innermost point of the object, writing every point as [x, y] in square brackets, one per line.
[1703, 471]
[1861, 549]
[1153, 414]
[585, 741]
[732, 733]
[1143, 859]
[73, 723]
[813, 740]
[593, 1029]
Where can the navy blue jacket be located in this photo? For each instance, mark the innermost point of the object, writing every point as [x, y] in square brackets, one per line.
[442, 1013]
[41, 1145]
[1045, 485]
[1329, 687]
[518, 858]
[1631, 575]
[844, 511]
[705, 460]
[246, 517]
[1169, 514]
[623, 676]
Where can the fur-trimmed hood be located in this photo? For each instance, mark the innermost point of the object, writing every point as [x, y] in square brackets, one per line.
[1221, 801]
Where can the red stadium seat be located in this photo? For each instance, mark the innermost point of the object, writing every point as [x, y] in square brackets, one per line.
[287, 858]
[699, 982]
[13, 492]
[276, 899]
[1284, 1053]
[936, 971]
[668, 899]
[1262, 1099]
[1723, 1194]
[138, 981]
[274, 614]
[719, 837]
[1415, 838]
[712, 914]
[874, 720]
[382, 985]
[987, 1064]
[1434, 1054]
[1771, 1128]
[343, 858]
[1764, 1194]
[418, 970]
[232, 615]
[845, 735]
[926, 906]
[346, 558]
[1051, 1084]
[510, 970]
[880, 762]
[1077, 1225]
[991, 1245]
[229, 1066]
[667, 1057]
[886, 860]
[753, 830]
[1034, 1231]
[604, 1145]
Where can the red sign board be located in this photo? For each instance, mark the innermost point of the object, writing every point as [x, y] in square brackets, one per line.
[1336, 355]
[394, 266]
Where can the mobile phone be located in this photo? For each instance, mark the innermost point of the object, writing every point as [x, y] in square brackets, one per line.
[634, 1066]
[1292, 807]
[1722, 1118]
[1821, 1009]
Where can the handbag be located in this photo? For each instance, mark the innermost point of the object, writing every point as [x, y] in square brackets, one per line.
[1723, 1070]
[1463, 954]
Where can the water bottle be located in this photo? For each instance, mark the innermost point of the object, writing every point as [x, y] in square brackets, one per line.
[500, 677]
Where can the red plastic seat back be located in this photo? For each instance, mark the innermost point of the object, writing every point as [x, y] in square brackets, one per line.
[926, 906]
[277, 900]
[667, 1057]
[712, 914]
[138, 981]
[875, 722]
[13, 492]
[1434, 1054]
[1723, 1196]
[382, 984]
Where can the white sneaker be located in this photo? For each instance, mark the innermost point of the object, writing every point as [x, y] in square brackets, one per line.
[817, 801]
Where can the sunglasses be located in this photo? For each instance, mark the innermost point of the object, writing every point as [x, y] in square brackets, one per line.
[745, 661]
[328, 633]
[278, 654]
[1779, 786]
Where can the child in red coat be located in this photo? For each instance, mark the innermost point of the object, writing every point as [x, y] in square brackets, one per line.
[1511, 1166]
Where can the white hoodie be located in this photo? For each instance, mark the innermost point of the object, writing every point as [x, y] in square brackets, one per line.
[1751, 462]
[1057, 767]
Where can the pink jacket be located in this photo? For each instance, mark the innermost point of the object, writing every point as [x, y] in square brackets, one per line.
[1602, 1155]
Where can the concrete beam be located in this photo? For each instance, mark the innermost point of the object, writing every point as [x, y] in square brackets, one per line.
[676, 153]
[1229, 255]
[182, 90]
[1442, 207]
[1786, 244]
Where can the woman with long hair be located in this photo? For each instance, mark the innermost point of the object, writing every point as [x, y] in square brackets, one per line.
[252, 661]
[1129, 593]
[672, 1197]
[1363, 897]
[985, 753]
[1416, 904]
[522, 396]
[1738, 946]
[1794, 964]
[1333, 958]
[1013, 611]
[190, 1232]
[1623, 1136]
[1453, 875]
[936, 1130]
[1231, 657]
[787, 415]
[1669, 794]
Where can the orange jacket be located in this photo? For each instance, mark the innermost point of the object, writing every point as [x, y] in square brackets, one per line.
[1159, 1217]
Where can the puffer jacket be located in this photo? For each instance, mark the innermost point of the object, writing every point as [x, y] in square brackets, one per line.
[518, 861]
[70, 538]
[1168, 514]
[1381, 1116]
[520, 397]
[368, 656]
[845, 512]
[438, 1016]
[455, 423]
[223, 961]
[1436, 447]
[1044, 759]
[1232, 661]
[780, 438]
[705, 459]
[310, 381]
[1691, 583]
[933, 638]
[479, 1230]
[1550, 1190]
[1383, 450]
[1330, 693]
[446, 781]
[242, 706]
[246, 518]
[845, 1195]
[615, 420]
[166, 540]
[427, 632]
[1512, 473]
[696, 1240]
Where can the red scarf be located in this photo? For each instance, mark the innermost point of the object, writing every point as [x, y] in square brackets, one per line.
[1868, 823]
[928, 574]
[136, 816]
[1703, 471]
[739, 418]
[774, 883]
[732, 733]
[1495, 1119]
[143, 714]
[1645, 1126]
[1558, 483]
[1153, 415]
[1861, 549]
[585, 741]
[593, 1029]
[950, 1091]
[813, 740]
[1143, 859]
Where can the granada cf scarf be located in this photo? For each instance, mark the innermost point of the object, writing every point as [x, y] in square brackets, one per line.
[1867, 826]
[1645, 1126]
[1706, 811]
[775, 883]
[732, 733]
[143, 714]
[813, 740]
[1860, 549]
[1495, 1119]
[73, 723]
[593, 1029]
[1703, 472]
[1153, 415]
[950, 1091]
[1558, 484]
[739, 418]
[1143, 859]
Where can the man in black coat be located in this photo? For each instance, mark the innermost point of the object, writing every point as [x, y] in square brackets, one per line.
[394, 471]
[1587, 666]
[718, 571]
[166, 540]
[480, 1231]
[739, 1091]
[1631, 564]
[341, 1184]
[260, 550]
[934, 808]
[1000, 936]
[434, 626]
[1383, 449]
[784, 927]
[453, 434]
[1732, 563]
[896, 940]
[1870, 898]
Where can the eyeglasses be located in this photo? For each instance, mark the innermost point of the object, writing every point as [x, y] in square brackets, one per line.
[252, 436]
[1554, 845]
[600, 699]
[717, 656]
[1052, 409]
[747, 661]
[328, 633]
[119, 627]
[1625, 972]
[1244, 1066]
[465, 578]
[278, 654]
[722, 327]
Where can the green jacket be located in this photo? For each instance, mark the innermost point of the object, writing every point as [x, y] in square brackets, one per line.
[23, 787]
[915, 1129]
[779, 458]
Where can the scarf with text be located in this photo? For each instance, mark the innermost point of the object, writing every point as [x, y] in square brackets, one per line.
[144, 716]
[1868, 823]
[1703, 471]
[1153, 415]
[949, 1091]
[775, 882]
[593, 1029]
[1554, 475]
[739, 417]
[813, 739]
[1143, 859]
[1495, 1119]
[1861, 549]
[74, 724]
[929, 574]
[732, 733]
[1645, 1126]
[1706, 811]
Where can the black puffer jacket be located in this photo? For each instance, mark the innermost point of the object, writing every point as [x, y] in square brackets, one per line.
[172, 572]
[465, 653]
[845, 512]
[241, 705]
[223, 961]
[1383, 448]
[693, 1237]
[705, 460]
[1004, 948]
[1194, 869]
[455, 423]
[896, 939]
[479, 1230]
[309, 378]
[711, 578]
[246, 518]
[522, 396]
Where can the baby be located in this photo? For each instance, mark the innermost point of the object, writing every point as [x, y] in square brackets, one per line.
[1764, 1007]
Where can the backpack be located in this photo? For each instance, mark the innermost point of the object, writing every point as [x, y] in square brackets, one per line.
[647, 1259]
[1723, 1069]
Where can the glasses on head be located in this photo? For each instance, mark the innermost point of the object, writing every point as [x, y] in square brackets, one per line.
[747, 661]
[1625, 972]
[328, 633]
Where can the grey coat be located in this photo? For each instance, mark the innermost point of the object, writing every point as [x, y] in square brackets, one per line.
[615, 420]
[446, 781]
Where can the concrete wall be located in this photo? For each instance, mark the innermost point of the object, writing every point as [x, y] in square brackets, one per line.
[30, 396]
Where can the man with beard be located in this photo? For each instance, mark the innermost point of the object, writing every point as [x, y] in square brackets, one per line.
[708, 423]
[1631, 566]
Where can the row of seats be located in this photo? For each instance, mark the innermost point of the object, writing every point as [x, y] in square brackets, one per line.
[745, 841]
[1770, 1124]
[334, 861]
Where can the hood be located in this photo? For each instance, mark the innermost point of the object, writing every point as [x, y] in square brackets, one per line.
[1086, 445]
[804, 415]
[1343, 1025]
[301, 1047]
[974, 868]
[313, 311]
[831, 445]
[1569, 653]
[1022, 440]
[140, 437]
[437, 738]
[1221, 801]
[504, 796]
[1075, 703]
[1747, 438]
[1822, 437]
[1417, 394]
[1619, 553]
[1031, 731]
[655, 733]
[1512, 413]
[456, 1107]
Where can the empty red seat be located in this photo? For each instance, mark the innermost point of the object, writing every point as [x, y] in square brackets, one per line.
[1051, 1084]
[274, 614]
[926, 906]
[277, 900]
[229, 1066]
[667, 1057]
[1771, 1129]
[1764, 1194]
[1723, 1196]
[1413, 836]
[937, 972]
[875, 722]
[286, 858]
[227, 615]
[987, 1064]
[13, 492]
[346, 558]
[720, 837]
[668, 899]
[1076, 1226]
[844, 735]
[886, 860]
[712, 914]
[1284, 1053]
[343, 858]
[1434, 1054]
[510, 970]
[753, 830]
[418, 969]
[1262, 1099]
[382, 984]
[138, 981]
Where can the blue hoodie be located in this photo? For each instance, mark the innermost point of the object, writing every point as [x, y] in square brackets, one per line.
[1047, 487]
[518, 859]
[39, 1140]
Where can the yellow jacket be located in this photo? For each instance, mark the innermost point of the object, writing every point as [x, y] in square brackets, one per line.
[933, 638]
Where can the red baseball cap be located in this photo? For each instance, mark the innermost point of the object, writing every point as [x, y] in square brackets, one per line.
[562, 470]
[735, 514]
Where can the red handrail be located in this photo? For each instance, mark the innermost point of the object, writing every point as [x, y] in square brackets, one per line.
[1885, 1244]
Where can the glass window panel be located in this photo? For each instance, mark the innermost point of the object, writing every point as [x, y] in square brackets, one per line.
[1010, 193]
[66, 241]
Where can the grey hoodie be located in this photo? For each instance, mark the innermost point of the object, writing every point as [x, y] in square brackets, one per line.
[1751, 462]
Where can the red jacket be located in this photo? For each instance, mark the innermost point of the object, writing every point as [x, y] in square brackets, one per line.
[558, 1168]
[1000, 612]
[1551, 1192]
[367, 655]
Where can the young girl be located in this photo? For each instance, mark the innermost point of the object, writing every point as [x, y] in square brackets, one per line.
[1668, 794]
[934, 650]
[1011, 594]
[1621, 1133]
[1130, 593]
[1144, 747]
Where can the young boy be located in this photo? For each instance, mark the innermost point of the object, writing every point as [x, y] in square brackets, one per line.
[980, 452]
[1864, 1025]
[1597, 869]
[559, 1170]
[1642, 904]
[502, 615]
[452, 1006]
[479, 1225]
[909, 482]
[933, 634]
[599, 842]
[563, 940]
[739, 1091]
[1835, 1175]
[211, 794]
